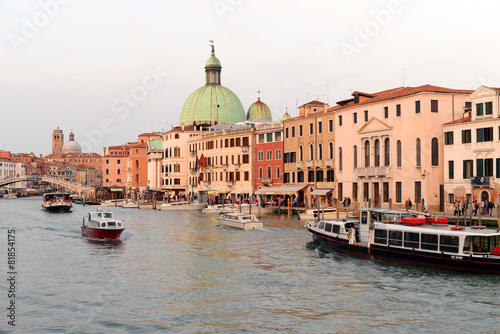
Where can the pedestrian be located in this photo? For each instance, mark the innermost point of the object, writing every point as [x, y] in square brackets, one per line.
[409, 204]
[476, 207]
[455, 211]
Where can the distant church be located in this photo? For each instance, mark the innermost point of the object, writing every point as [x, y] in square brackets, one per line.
[58, 145]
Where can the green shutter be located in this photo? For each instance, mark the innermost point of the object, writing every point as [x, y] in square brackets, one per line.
[498, 168]
[479, 109]
[479, 135]
[451, 172]
[464, 174]
[479, 165]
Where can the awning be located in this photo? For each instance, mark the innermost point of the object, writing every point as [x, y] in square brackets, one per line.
[242, 190]
[283, 190]
[116, 189]
[321, 191]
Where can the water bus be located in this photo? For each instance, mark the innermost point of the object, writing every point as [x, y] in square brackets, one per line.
[57, 202]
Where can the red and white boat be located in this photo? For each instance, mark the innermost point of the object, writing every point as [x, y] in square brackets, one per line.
[102, 225]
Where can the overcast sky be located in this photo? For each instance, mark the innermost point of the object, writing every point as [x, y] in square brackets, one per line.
[110, 70]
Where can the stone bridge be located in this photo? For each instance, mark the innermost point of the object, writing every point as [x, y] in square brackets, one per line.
[76, 187]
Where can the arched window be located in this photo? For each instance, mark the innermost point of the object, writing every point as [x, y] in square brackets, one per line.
[340, 158]
[278, 172]
[136, 178]
[137, 164]
[377, 153]
[387, 152]
[435, 152]
[331, 150]
[367, 153]
[107, 171]
[398, 153]
[355, 156]
[301, 153]
[418, 161]
[269, 172]
[320, 151]
[311, 152]
[118, 171]
[260, 172]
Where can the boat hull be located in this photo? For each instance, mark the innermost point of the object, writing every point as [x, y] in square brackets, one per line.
[241, 226]
[58, 208]
[97, 233]
[181, 207]
[479, 264]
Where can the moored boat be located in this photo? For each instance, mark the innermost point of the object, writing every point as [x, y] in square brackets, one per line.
[324, 213]
[181, 206]
[241, 221]
[102, 225]
[57, 202]
[375, 234]
[217, 209]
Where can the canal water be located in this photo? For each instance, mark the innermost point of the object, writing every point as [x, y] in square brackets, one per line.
[182, 273]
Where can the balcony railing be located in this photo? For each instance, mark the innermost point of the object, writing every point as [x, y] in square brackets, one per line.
[225, 166]
[299, 165]
[381, 171]
[192, 170]
[267, 180]
[245, 148]
[329, 163]
[230, 183]
[207, 182]
[317, 163]
[237, 166]
[310, 164]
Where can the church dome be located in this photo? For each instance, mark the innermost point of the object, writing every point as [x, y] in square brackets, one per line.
[259, 110]
[71, 146]
[212, 101]
[285, 117]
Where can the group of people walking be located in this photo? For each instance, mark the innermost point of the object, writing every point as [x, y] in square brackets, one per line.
[483, 208]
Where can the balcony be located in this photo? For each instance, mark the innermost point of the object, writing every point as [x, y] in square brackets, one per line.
[245, 148]
[237, 166]
[299, 165]
[267, 180]
[208, 167]
[329, 163]
[318, 163]
[192, 153]
[310, 164]
[230, 183]
[192, 170]
[381, 171]
[225, 166]
[207, 183]
[480, 181]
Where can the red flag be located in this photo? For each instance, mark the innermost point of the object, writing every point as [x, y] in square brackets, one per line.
[202, 164]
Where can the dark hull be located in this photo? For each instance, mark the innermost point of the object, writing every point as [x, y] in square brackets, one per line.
[58, 208]
[97, 233]
[487, 265]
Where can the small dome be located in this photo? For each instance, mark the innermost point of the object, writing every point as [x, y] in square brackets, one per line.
[71, 146]
[285, 117]
[259, 110]
[213, 61]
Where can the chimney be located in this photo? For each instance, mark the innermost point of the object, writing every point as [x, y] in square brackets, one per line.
[104, 150]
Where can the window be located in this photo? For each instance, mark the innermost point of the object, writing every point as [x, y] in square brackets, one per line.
[286, 132]
[479, 167]
[118, 161]
[398, 192]
[300, 177]
[355, 116]
[311, 152]
[417, 107]
[387, 152]
[260, 173]
[330, 150]
[355, 156]
[367, 153]
[355, 190]
[479, 109]
[412, 240]
[107, 161]
[497, 174]
[277, 137]
[320, 127]
[385, 188]
[260, 156]
[448, 243]
[466, 136]
[286, 177]
[319, 175]
[488, 108]
[435, 152]
[293, 131]
[277, 155]
[310, 176]
[301, 153]
[118, 171]
[311, 128]
[380, 237]
[278, 172]
[107, 171]
[451, 172]
[386, 112]
[340, 190]
[300, 130]
[448, 138]
[340, 120]
[468, 169]
[488, 167]
[137, 164]
[330, 175]
[269, 173]
[398, 110]
[484, 134]
[377, 153]
[398, 153]
[429, 241]
[320, 151]
[418, 191]
[396, 238]
[417, 153]
[330, 125]
[340, 158]
[434, 105]
[269, 138]
[366, 115]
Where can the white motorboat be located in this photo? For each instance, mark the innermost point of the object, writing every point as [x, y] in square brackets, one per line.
[323, 213]
[241, 221]
[217, 209]
[111, 202]
[181, 206]
[129, 205]
[102, 225]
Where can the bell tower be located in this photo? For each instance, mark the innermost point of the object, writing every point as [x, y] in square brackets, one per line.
[57, 141]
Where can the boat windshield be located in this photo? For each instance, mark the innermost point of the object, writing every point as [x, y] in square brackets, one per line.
[108, 215]
[481, 244]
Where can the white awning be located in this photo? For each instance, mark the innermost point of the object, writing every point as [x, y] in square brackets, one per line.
[321, 191]
[283, 190]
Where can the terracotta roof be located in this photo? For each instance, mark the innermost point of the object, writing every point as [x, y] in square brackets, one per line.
[399, 92]
[314, 102]
[149, 134]
[461, 120]
[361, 93]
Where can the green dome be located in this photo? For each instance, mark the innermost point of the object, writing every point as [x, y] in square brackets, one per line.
[259, 110]
[285, 117]
[212, 102]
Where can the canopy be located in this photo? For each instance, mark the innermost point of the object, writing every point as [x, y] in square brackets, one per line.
[283, 190]
[321, 191]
